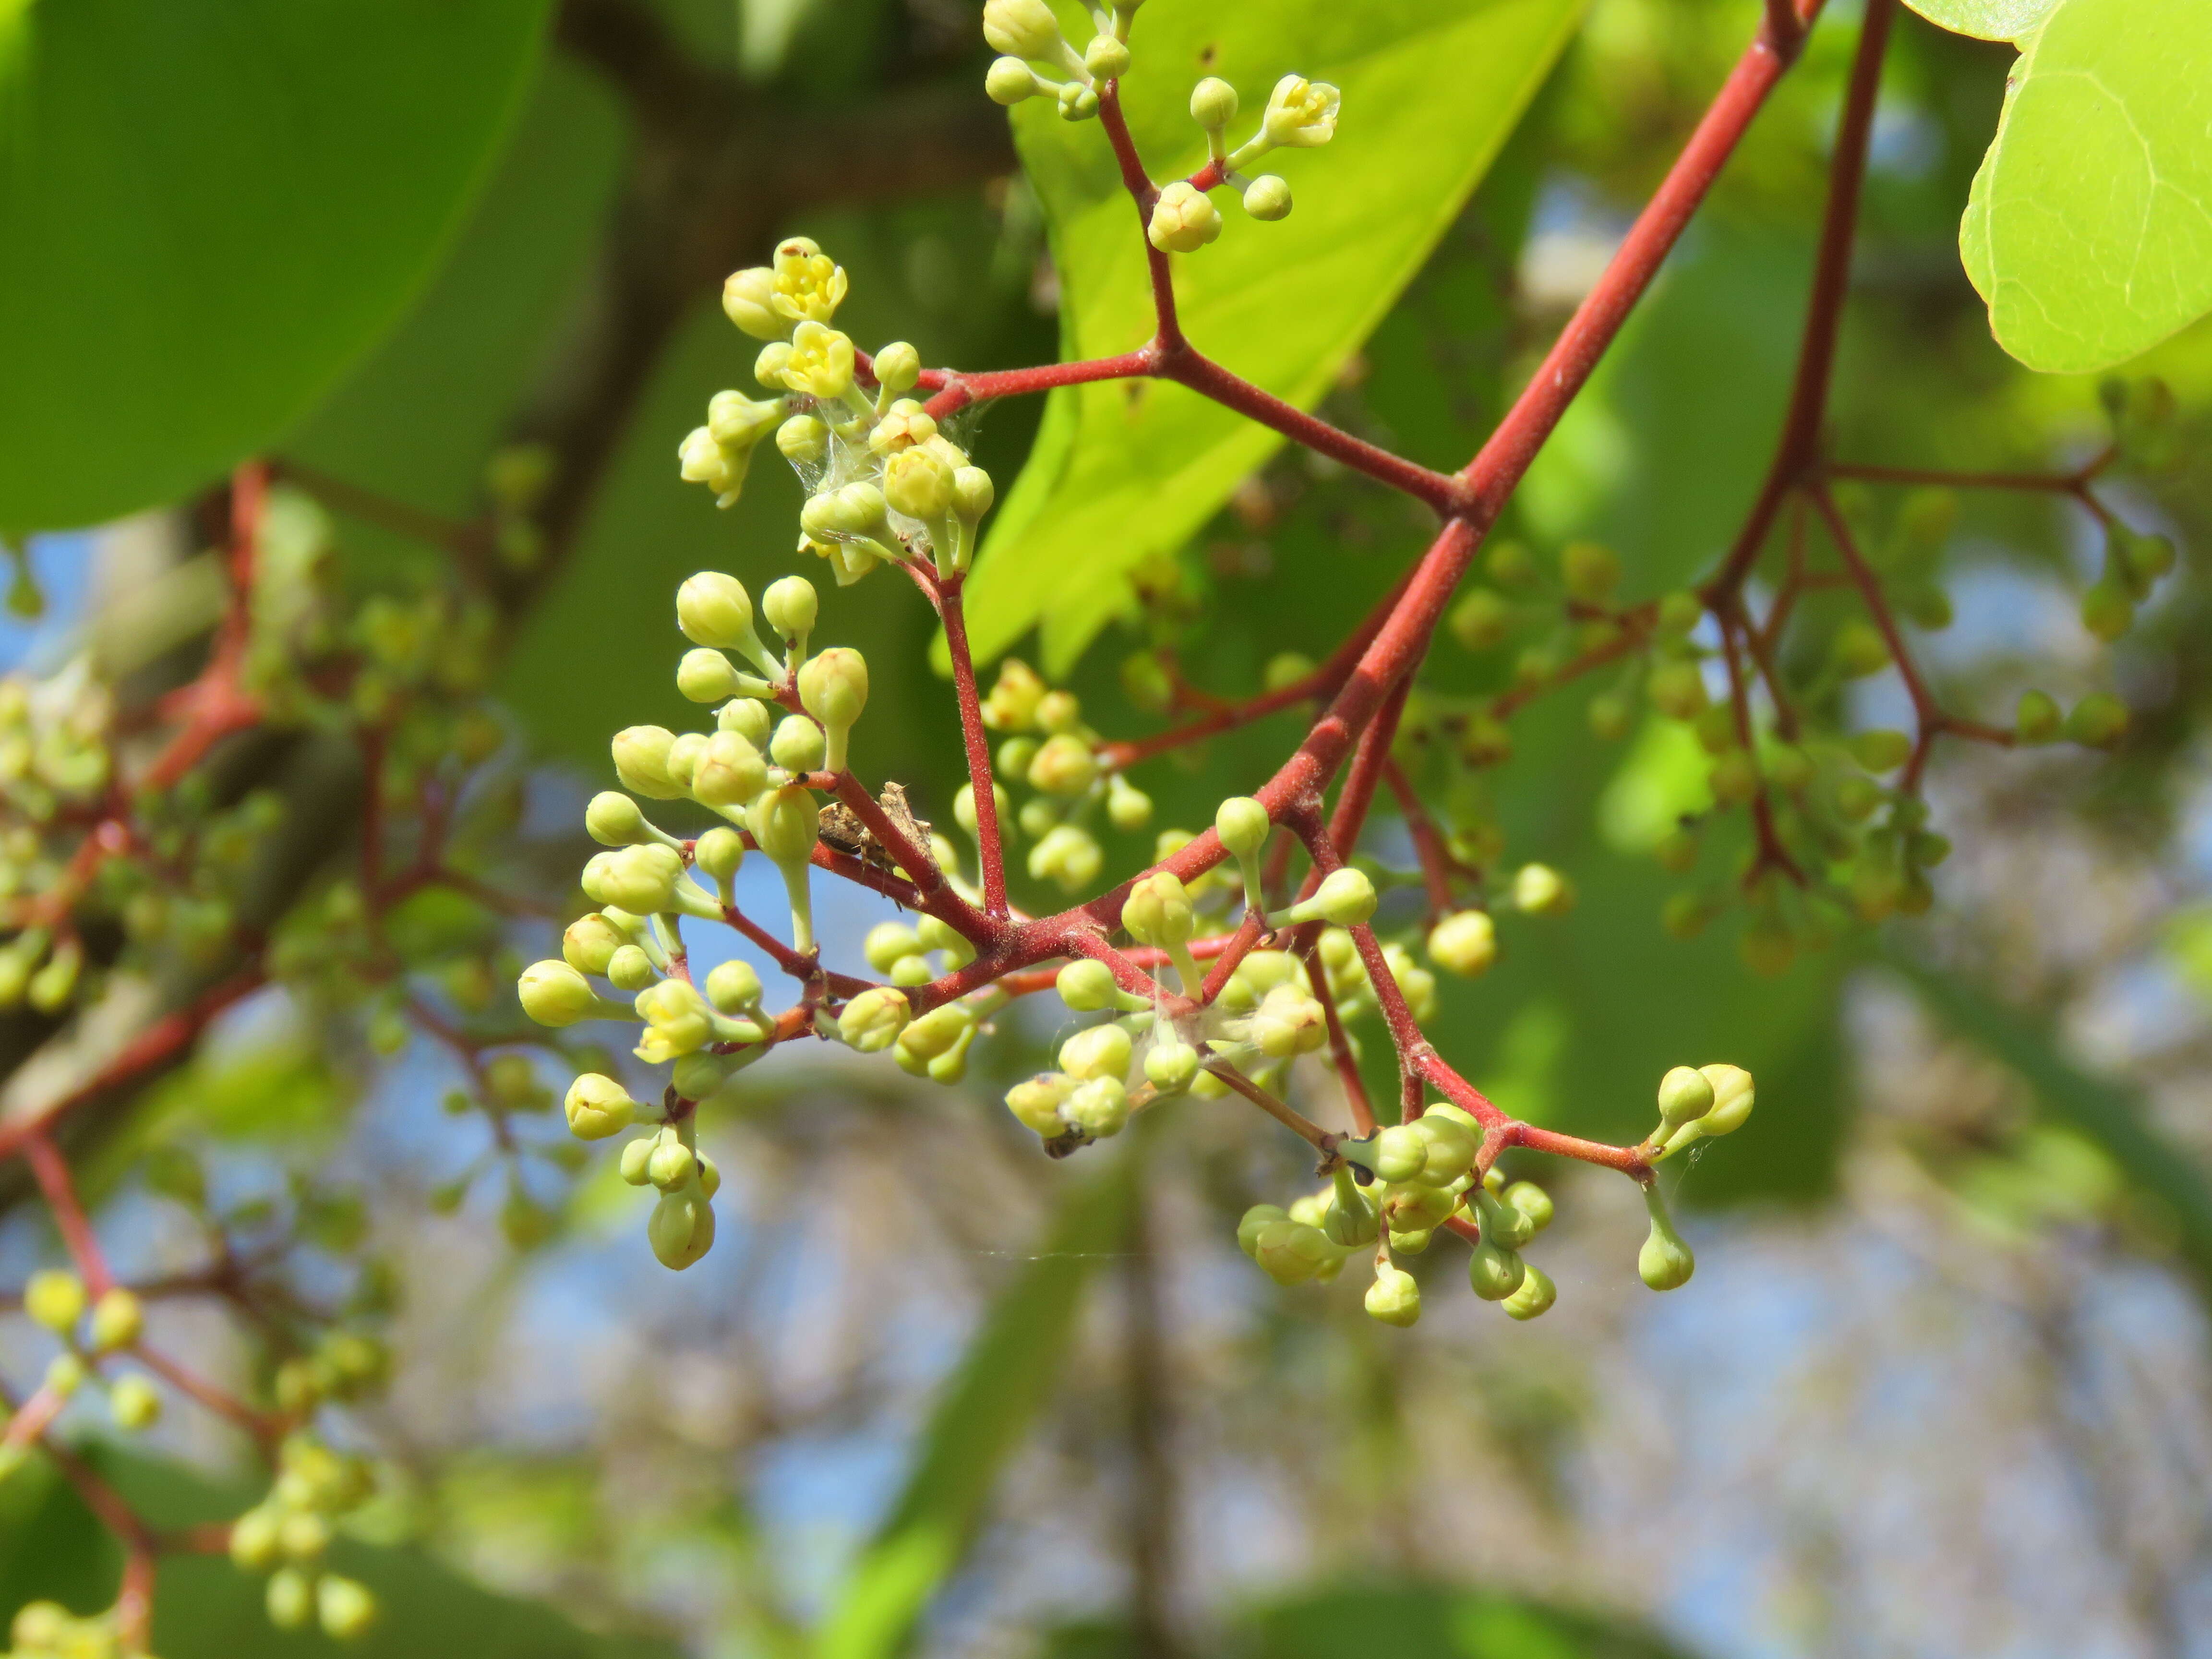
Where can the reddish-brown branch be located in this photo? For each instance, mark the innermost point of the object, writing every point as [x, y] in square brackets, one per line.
[982, 784]
[1167, 333]
[1339, 1049]
[59, 1187]
[1438, 866]
[1304, 1127]
[266, 1430]
[2057, 483]
[959, 390]
[1771, 854]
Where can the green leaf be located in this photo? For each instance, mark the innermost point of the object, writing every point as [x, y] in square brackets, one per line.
[1126, 470]
[211, 211]
[1985, 20]
[2108, 1114]
[980, 1421]
[2089, 229]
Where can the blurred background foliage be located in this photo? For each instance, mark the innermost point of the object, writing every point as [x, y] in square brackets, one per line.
[1942, 1387]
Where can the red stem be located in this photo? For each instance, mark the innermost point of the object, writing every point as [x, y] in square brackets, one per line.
[982, 782]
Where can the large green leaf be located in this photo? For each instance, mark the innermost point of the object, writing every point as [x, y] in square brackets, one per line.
[1985, 20]
[2089, 227]
[211, 211]
[981, 1422]
[1122, 471]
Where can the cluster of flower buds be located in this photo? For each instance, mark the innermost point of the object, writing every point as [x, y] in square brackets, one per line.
[1027, 33]
[289, 1533]
[884, 484]
[1047, 750]
[47, 1630]
[93, 1335]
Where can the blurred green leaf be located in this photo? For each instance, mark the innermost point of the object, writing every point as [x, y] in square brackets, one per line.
[1985, 20]
[52, 1546]
[1126, 470]
[2110, 1114]
[210, 212]
[980, 1421]
[2088, 230]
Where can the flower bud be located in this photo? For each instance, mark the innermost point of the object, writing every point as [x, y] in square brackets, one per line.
[791, 605]
[1214, 102]
[973, 492]
[732, 986]
[554, 993]
[1012, 703]
[1267, 199]
[834, 687]
[2038, 721]
[1677, 690]
[635, 1155]
[1077, 101]
[641, 753]
[1099, 1107]
[1493, 1272]
[1346, 897]
[1589, 570]
[1532, 1201]
[738, 422]
[1534, 1298]
[1128, 808]
[117, 1320]
[1106, 57]
[803, 439]
[821, 361]
[705, 676]
[680, 1229]
[1288, 1022]
[898, 366]
[1301, 113]
[1009, 81]
[1086, 986]
[614, 820]
[1097, 1051]
[855, 510]
[672, 1165]
[1242, 824]
[1394, 1297]
[596, 1106]
[1400, 1152]
[630, 969]
[714, 610]
[872, 1021]
[1541, 890]
[1464, 943]
[290, 1599]
[1450, 1148]
[1289, 1252]
[1068, 856]
[919, 483]
[1023, 28]
[1065, 765]
[1684, 1094]
[642, 880]
[1157, 911]
[767, 367]
[2098, 722]
[721, 852]
[888, 944]
[703, 459]
[1184, 219]
[784, 822]
[936, 1033]
[748, 300]
[684, 757]
[1256, 1221]
[729, 772]
[2108, 609]
[1882, 750]
[677, 1022]
[799, 745]
[54, 1297]
[344, 1607]
[1665, 1263]
[1036, 1104]
[1171, 1065]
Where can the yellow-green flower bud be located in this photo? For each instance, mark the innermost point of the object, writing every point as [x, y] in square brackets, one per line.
[1504, 1225]
[936, 1034]
[290, 1599]
[1065, 765]
[705, 676]
[1882, 750]
[117, 1320]
[554, 993]
[873, 1020]
[614, 820]
[54, 1297]
[635, 1156]
[749, 300]
[1400, 1152]
[1068, 856]
[672, 1165]
[1171, 1065]
[973, 492]
[798, 745]
[791, 606]
[65, 1375]
[784, 823]
[1301, 113]
[732, 986]
[343, 1607]
[2038, 721]
[721, 852]
[1346, 897]
[1009, 81]
[738, 421]
[1267, 199]
[1086, 986]
[2108, 609]
[2098, 722]
[1589, 570]
[1157, 911]
[641, 755]
[1665, 1263]
[1684, 1094]
[1534, 1298]
[677, 1021]
[803, 439]
[809, 283]
[888, 944]
[1733, 1099]
[1242, 824]
[729, 772]
[1493, 1272]
[1677, 690]
[1214, 102]
[1464, 943]
[1077, 101]
[1098, 1051]
[702, 459]
[857, 509]
[596, 1106]
[1394, 1297]
[919, 483]
[684, 757]
[253, 1546]
[643, 880]
[821, 361]
[1023, 28]
[1184, 219]
[1128, 808]
[680, 1229]
[630, 969]
[1531, 1200]
[1012, 703]
[1106, 57]
[1451, 1147]
[1291, 1253]
[767, 367]
[1287, 1022]
[834, 686]
[1099, 1107]
[1256, 1221]
[1034, 1103]
[1541, 890]
[714, 610]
